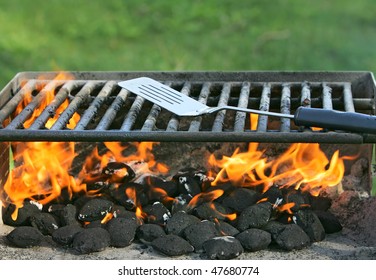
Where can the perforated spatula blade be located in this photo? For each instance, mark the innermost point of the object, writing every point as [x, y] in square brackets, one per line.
[165, 97]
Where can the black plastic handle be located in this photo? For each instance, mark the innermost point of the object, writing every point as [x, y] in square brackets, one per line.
[331, 119]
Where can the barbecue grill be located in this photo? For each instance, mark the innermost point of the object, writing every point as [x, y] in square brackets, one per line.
[110, 113]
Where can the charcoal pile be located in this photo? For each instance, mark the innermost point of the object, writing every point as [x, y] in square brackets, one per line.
[176, 215]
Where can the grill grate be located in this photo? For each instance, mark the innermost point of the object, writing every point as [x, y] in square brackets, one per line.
[109, 113]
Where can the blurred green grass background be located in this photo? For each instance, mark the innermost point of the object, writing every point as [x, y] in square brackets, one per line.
[114, 35]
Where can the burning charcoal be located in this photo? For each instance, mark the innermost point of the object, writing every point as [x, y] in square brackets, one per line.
[172, 245]
[95, 224]
[120, 212]
[91, 240]
[197, 234]
[254, 239]
[181, 203]
[211, 211]
[311, 224]
[255, 216]
[46, 223]
[118, 172]
[64, 235]
[240, 199]
[157, 213]
[179, 221]
[98, 186]
[169, 187]
[66, 213]
[95, 209]
[187, 183]
[227, 188]
[288, 237]
[320, 203]
[226, 229]
[330, 222]
[146, 233]
[273, 194]
[25, 236]
[126, 194]
[122, 231]
[222, 248]
[297, 199]
[23, 215]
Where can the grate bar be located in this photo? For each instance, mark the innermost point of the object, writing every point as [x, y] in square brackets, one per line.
[91, 112]
[12, 104]
[151, 119]
[243, 103]
[72, 108]
[327, 97]
[173, 123]
[262, 123]
[203, 98]
[27, 112]
[50, 109]
[348, 98]
[285, 107]
[112, 111]
[223, 101]
[133, 112]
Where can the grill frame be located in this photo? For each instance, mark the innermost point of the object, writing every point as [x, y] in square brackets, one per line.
[358, 85]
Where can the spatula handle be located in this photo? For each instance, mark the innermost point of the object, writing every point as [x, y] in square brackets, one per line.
[331, 119]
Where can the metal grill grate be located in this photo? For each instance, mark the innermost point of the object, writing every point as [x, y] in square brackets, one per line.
[109, 113]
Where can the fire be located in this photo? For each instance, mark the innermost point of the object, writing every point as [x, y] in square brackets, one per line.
[47, 93]
[41, 172]
[303, 166]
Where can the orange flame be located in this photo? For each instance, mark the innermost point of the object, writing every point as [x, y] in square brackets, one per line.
[303, 166]
[204, 197]
[49, 91]
[42, 175]
[140, 215]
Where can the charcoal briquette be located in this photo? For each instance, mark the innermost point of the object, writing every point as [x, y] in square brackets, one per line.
[172, 245]
[118, 172]
[330, 222]
[119, 194]
[95, 224]
[181, 203]
[226, 229]
[311, 224]
[122, 231]
[273, 194]
[94, 209]
[46, 223]
[198, 233]
[64, 235]
[67, 214]
[188, 185]
[211, 211]
[91, 240]
[254, 239]
[168, 186]
[23, 215]
[240, 198]
[157, 213]
[287, 237]
[25, 237]
[222, 248]
[179, 221]
[297, 199]
[120, 212]
[255, 216]
[146, 233]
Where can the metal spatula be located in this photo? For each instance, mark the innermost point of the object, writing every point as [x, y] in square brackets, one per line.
[182, 105]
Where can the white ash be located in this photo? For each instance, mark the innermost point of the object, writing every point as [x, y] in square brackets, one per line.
[37, 204]
[229, 239]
